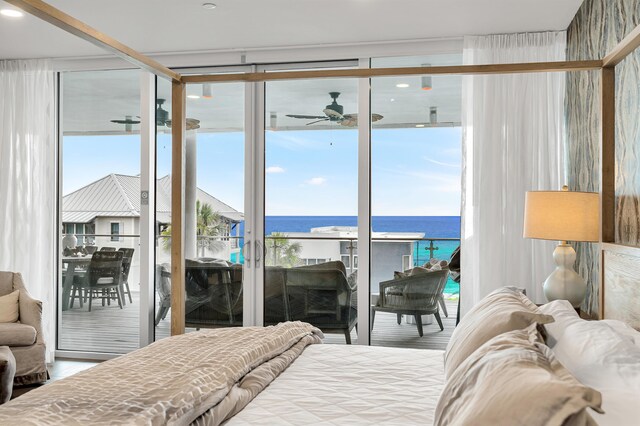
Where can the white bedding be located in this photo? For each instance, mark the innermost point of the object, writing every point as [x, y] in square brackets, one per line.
[351, 384]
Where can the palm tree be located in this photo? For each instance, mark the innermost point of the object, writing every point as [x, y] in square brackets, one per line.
[209, 224]
[281, 251]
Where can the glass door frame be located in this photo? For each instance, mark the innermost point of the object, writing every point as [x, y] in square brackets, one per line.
[254, 212]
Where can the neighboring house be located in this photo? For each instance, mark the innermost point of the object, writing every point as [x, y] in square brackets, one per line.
[390, 251]
[110, 208]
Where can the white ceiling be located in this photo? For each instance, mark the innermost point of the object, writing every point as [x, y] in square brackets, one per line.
[91, 99]
[154, 26]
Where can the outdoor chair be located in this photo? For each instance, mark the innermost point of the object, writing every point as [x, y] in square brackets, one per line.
[107, 249]
[163, 288]
[322, 296]
[127, 254]
[103, 279]
[213, 293]
[276, 299]
[415, 295]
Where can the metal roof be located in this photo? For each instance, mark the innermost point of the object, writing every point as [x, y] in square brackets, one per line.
[119, 196]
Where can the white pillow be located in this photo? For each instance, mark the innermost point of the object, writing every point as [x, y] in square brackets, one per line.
[9, 307]
[600, 356]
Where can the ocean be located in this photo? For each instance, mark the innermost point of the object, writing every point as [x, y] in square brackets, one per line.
[431, 226]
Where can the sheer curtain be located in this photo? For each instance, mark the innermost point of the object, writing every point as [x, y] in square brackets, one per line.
[27, 181]
[513, 142]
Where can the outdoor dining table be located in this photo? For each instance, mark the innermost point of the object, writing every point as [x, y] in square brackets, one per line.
[67, 283]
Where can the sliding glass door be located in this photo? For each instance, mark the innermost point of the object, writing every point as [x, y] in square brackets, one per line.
[100, 203]
[415, 204]
[281, 181]
[311, 205]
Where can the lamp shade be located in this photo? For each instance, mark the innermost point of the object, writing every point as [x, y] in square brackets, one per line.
[562, 215]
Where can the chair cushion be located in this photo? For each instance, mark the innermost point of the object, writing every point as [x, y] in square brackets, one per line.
[16, 334]
[9, 307]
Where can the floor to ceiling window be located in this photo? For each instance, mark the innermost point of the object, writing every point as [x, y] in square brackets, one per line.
[272, 200]
[100, 187]
[311, 205]
[162, 278]
[415, 203]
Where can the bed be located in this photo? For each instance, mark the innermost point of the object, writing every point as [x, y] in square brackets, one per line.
[282, 375]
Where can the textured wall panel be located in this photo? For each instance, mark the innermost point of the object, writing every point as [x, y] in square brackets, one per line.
[597, 28]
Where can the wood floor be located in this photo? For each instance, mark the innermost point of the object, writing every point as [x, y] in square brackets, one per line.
[110, 329]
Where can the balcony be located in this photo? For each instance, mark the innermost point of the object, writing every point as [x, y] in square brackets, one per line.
[113, 330]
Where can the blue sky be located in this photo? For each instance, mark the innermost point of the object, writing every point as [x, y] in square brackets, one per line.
[415, 172]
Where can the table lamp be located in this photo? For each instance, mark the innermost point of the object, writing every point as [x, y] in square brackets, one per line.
[563, 216]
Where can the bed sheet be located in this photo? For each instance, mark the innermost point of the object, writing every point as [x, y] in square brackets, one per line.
[351, 384]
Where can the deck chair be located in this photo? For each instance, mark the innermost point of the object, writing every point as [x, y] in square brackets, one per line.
[415, 295]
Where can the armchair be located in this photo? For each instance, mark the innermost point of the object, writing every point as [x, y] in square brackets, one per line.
[322, 296]
[24, 337]
[415, 295]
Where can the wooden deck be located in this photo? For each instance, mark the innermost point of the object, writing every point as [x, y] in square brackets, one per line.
[110, 329]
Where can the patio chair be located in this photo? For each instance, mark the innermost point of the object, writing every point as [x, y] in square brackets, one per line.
[213, 293]
[415, 295]
[103, 279]
[322, 296]
[127, 254]
[107, 249]
[163, 288]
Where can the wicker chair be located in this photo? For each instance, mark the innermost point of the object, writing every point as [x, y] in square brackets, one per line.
[103, 279]
[127, 256]
[415, 295]
[322, 296]
[163, 288]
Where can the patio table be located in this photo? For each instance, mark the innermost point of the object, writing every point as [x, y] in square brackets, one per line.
[67, 283]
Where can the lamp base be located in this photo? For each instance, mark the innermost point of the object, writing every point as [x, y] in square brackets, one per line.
[565, 283]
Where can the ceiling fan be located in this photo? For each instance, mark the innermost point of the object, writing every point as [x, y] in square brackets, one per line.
[128, 123]
[334, 113]
[162, 117]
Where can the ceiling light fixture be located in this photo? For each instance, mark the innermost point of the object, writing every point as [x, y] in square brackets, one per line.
[433, 115]
[426, 80]
[206, 91]
[402, 85]
[209, 6]
[193, 96]
[11, 13]
[419, 125]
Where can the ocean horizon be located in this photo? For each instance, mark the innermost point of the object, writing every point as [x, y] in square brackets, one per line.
[432, 226]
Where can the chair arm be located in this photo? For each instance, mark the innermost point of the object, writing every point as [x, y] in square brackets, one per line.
[31, 313]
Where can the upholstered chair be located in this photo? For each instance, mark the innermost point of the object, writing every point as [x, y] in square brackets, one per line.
[24, 337]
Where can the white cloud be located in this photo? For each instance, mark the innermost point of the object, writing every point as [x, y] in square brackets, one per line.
[274, 169]
[316, 181]
[441, 163]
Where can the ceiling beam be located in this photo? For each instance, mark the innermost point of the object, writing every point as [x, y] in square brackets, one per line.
[389, 72]
[623, 49]
[71, 25]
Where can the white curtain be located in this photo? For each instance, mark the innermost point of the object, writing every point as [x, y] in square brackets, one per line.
[27, 181]
[513, 142]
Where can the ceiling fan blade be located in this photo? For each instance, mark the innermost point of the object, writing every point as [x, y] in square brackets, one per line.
[318, 121]
[125, 121]
[332, 114]
[351, 120]
[306, 117]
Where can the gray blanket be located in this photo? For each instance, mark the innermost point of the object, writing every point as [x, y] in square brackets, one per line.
[203, 377]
